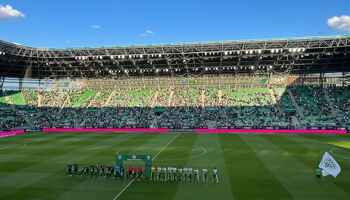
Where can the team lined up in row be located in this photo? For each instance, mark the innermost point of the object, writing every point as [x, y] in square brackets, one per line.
[95, 171]
[157, 173]
[182, 174]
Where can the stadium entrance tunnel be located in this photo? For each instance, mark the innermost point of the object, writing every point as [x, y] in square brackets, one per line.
[146, 158]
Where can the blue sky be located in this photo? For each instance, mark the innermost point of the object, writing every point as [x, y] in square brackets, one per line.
[86, 23]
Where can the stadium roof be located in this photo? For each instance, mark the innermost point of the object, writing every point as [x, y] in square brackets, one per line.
[289, 55]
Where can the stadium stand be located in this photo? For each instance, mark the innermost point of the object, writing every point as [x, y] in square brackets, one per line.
[179, 108]
[340, 97]
[283, 83]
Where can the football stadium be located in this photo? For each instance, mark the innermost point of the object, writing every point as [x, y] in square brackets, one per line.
[236, 119]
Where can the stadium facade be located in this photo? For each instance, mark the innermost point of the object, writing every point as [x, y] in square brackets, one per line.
[291, 83]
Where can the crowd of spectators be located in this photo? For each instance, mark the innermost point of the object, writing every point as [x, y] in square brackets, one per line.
[313, 105]
[181, 107]
[340, 97]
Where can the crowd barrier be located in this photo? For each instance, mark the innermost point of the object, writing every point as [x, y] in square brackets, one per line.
[271, 131]
[9, 133]
[110, 130]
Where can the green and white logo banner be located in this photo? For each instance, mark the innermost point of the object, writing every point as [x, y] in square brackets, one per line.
[329, 165]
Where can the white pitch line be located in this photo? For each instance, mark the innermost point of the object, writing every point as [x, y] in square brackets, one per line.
[121, 192]
[116, 197]
[165, 146]
[341, 156]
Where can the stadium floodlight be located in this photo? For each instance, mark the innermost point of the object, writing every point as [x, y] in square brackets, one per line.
[141, 56]
[123, 56]
[159, 55]
[259, 51]
[225, 53]
[251, 67]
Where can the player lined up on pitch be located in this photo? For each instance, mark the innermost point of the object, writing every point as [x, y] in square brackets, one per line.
[182, 174]
[188, 174]
[95, 171]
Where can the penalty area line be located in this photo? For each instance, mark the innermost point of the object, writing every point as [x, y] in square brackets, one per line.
[171, 141]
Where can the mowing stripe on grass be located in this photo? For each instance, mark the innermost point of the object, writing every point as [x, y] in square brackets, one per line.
[250, 177]
[39, 152]
[78, 191]
[52, 168]
[295, 168]
[213, 158]
[121, 192]
[160, 190]
[22, 177]
[312, 155]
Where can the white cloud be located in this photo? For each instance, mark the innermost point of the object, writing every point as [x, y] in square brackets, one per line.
[146, 33]
[16, 43]
[339, 23]
[7, 12]
[96, 26]
[149, 32]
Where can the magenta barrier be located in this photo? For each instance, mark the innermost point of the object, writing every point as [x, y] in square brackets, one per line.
[270, 131]
[112, 130]
[4, 134]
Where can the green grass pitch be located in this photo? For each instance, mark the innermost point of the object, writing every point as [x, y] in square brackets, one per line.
[251, 166]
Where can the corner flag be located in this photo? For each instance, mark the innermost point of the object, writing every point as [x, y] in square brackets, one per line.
[329, 165]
